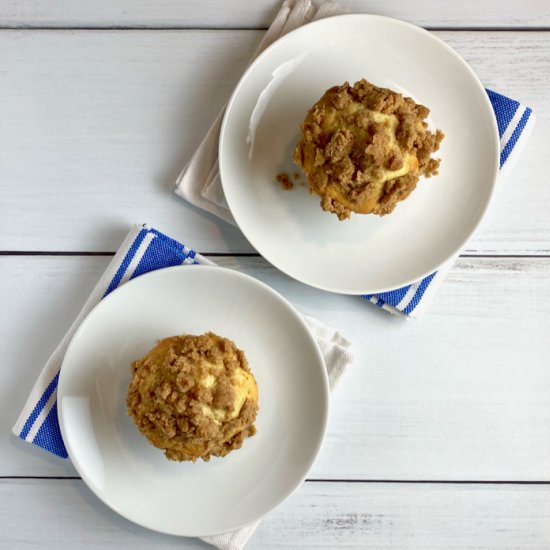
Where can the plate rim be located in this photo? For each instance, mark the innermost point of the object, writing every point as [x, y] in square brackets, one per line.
[483, 97]
[323, 418]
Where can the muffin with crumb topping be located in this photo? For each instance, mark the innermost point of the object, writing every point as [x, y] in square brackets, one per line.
[194, 397]
[364, 148]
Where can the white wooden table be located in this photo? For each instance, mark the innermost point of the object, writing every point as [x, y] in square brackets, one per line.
[440, 441]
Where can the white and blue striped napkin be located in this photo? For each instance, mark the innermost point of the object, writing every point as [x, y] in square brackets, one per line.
[514, 122]
[143, 250]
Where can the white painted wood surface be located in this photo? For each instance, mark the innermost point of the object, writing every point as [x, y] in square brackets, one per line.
[259, 13]
[319, 515]
[94, 127]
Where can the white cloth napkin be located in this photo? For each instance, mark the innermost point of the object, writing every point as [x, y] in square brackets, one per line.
[199, 183]
[145, 250]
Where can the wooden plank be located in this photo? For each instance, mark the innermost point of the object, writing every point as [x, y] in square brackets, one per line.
[259, 14]
[461, 394]
[63, 513]
[95, 126]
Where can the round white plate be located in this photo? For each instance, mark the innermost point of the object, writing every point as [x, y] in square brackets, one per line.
[133, 477]
[367, 253]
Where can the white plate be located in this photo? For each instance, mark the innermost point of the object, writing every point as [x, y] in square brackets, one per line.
[367, 253]
[134, 478]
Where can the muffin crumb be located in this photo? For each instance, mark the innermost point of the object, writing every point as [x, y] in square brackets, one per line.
[284, 180]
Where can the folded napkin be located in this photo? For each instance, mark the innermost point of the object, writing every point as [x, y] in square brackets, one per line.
[144, 250]
[199, 182]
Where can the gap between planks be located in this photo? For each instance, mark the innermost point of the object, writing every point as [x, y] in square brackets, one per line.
[357, 481]
[504, 28]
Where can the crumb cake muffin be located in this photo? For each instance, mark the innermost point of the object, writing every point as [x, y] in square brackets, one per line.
[194, 397]
[363, 149]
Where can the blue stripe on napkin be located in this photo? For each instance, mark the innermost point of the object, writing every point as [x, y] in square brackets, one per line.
[505, 109]
[39, 406]
[160, 253]
[511, 118]
[126, 262]
[49, 435]
[505, 153]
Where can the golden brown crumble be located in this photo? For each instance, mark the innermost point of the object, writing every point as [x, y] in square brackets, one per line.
[194, 397]
[284, 180]
[363, 148]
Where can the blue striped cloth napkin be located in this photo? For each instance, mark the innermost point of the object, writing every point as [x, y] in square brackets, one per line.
[143, 250]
